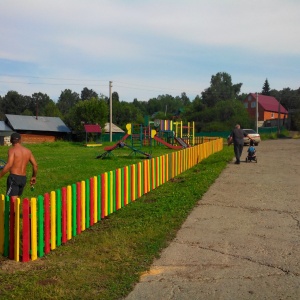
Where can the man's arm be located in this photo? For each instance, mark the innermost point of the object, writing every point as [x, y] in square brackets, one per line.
[9, 163]
[34, 169]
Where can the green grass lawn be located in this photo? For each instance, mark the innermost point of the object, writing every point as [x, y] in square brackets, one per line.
[62, 163]
[106, 260]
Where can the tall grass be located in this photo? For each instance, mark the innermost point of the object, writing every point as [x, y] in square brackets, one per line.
[105, 261]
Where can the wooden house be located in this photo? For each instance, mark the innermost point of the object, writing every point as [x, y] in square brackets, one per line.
[270, 111]
[37, 129]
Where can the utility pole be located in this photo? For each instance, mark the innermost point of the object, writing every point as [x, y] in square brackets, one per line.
[256, 112]
[110, 111]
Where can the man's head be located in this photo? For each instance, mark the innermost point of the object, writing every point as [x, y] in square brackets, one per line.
[238, 126]
[15, 138]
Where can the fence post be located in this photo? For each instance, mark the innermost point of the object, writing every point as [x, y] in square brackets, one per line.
[11, 229]
[91, 201]
[87, 203]
[2, 204]
[53, 221]
[41, 226]
[79, 212]
[58, 217]
[74, 202]
[69, 212]
[47, 222]
[64, 214]
[26, 230]
[33, 229]
[17, 230]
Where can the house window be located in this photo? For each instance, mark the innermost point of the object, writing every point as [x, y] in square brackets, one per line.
[253, 104]
[272, 115]
[246, 105]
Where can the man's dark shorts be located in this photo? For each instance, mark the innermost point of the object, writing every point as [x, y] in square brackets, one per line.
[15, 185]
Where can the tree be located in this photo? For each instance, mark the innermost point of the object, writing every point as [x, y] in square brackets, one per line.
[92, 111]
[266, 88]
[14, 103]
[124, 112]
[115, 97]
[67, 100]
[221, 88]
[51, 110]
[87, 94]
[38, 103]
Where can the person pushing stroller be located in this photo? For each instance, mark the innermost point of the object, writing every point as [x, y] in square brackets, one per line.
[251, 152]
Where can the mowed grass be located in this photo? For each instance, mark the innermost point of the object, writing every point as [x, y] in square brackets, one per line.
[106, 260]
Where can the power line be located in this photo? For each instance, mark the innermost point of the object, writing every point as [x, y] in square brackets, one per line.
[51, 78]
[122, 85]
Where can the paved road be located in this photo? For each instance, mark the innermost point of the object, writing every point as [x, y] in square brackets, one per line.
[242, 240]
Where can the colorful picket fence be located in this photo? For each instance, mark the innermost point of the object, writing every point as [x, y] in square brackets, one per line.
[48, 221]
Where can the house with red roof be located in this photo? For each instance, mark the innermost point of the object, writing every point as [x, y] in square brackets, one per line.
[269, 109]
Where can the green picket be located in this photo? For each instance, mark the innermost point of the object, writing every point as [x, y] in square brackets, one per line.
[40, 224]
[58, 217]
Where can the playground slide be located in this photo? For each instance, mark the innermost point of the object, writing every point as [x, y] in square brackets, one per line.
[181, 142]
[113, 147]
[158, 139]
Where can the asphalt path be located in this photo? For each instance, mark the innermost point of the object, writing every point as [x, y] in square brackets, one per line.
[242, 240]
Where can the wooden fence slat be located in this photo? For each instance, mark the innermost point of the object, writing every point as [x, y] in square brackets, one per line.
[26, 231]
[64, 238]
[2, 205]
[33, 229]
[41, 242]
[47, 222]
[79, 212]
[17, 230]
[74, 210]
[69, 212]
[58, 217]
[11, 229]
[53, 219]
[91, 199]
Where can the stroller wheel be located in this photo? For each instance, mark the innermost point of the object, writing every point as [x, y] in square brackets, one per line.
[246, 159]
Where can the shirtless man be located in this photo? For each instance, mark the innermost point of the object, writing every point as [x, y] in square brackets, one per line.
[18, 158]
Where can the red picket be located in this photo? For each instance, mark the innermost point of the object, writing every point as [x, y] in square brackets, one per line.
[47, 222]
[26, 231]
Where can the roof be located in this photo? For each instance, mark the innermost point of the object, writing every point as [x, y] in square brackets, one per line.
[115, 128]
[5, 127]
[5, 130]
[269, 103]
[92, 128]
[50, 124]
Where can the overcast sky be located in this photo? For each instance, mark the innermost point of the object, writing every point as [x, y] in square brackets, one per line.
[147, 47]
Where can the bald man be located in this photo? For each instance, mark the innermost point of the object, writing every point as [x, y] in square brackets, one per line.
[237, 138]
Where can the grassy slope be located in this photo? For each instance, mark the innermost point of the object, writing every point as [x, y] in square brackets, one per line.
[106, 260]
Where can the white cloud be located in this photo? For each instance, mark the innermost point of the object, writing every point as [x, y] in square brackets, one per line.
[166, 43]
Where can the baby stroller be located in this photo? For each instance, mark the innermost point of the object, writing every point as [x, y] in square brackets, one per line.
[251, 153]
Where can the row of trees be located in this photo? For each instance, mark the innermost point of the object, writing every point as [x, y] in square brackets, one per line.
[218, 107]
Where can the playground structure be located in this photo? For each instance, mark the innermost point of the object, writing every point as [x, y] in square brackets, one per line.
[173, 135]
[94, 130]
[121, 144]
